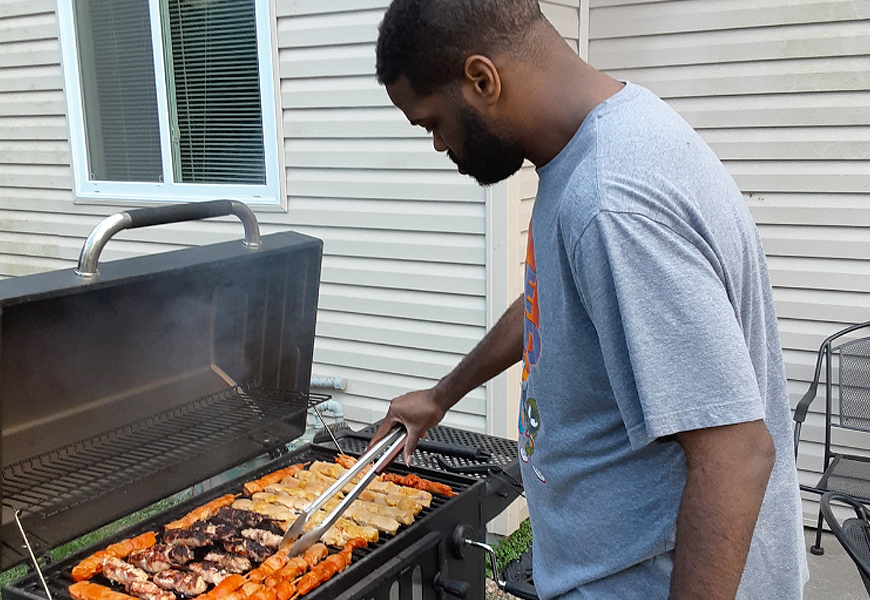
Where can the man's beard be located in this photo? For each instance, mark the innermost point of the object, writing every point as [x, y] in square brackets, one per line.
[486, 156]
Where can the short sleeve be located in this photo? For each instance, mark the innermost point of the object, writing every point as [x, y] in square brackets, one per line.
[672, 343]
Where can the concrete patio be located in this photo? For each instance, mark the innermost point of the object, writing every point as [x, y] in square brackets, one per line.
[833, 576]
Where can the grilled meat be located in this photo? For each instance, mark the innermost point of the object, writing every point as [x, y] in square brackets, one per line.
[209, 571]
[263, 537]
[146, 590]
[121, 572]
[237, 518]
[185, 582]
[202, 513]
[248, 548]
[200, 535]
[160, 557]
[228, 562]
[94, 563]
[134, 580]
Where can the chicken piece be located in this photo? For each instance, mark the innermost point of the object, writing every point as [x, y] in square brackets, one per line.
[229, 562]
[121, 572]
[202, 513]
[332, 470]
[200, 534]
[262, 537]
[358, 513]
[315, 554]
[225, 588]
[419, 483]
[258, 485]
[147, 590]
[273, 511]
[269, 567]
[94, 563]
[403, 503]
[405, 517]
[294, 569]
[210, 572]
[185, 582]
[85, 590]
[160, 557]
[247, 548]
[237, 518]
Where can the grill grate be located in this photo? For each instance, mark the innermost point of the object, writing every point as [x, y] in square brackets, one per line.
[59, 578]
[504, 452]
[76, 473]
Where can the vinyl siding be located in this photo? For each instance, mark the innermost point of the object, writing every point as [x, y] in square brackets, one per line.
[781, 92]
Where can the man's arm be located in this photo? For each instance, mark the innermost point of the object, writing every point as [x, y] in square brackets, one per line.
[728, 469]
[419, 411]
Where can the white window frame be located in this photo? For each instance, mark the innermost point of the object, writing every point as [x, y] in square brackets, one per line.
[90, 191]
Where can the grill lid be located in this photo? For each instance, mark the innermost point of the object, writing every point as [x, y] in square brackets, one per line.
[165, 370]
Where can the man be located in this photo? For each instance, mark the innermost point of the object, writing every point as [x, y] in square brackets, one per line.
[654, 427]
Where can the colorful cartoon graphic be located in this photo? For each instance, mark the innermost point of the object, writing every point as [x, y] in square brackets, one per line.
[532, 337]
[530, 423]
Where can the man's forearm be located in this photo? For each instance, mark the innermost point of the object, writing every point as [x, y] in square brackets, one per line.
[500, 348]
[728, 470]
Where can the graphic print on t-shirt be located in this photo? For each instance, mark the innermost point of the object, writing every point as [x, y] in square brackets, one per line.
[531, 335]
[530, 416]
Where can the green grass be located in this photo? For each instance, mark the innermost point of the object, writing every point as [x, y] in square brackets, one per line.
[95, 536]
[513, 546]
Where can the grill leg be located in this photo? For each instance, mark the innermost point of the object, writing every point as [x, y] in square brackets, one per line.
[816, 549]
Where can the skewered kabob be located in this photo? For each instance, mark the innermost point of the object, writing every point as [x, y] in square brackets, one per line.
[93, 564]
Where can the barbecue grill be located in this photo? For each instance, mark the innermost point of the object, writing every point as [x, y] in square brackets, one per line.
[127, 382]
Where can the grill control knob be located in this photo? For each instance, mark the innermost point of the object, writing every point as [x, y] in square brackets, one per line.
[457, 543]
[451, 587]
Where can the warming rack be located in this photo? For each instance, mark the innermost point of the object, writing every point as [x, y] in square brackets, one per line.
[57, 480]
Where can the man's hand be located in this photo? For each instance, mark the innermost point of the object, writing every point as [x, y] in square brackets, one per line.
[418, 411]
[728, 469]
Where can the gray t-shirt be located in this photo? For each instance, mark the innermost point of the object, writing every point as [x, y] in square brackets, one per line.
[648, 312]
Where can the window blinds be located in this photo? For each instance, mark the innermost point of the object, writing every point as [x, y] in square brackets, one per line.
[216, 116]
[118, 92]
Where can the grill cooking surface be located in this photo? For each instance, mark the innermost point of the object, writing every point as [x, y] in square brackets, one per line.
[504, 452]
[59, 579]
[79, 472]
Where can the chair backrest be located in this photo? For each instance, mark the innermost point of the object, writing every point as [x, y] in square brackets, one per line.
[855, 384]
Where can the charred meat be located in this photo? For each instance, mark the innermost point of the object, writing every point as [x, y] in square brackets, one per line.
[228, 562]
[249, 549]
[263, 537]
[237, 518]
[160, 557]
[209, 571]
[185, 582]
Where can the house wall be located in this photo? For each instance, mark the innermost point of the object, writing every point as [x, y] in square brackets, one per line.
[780, 89]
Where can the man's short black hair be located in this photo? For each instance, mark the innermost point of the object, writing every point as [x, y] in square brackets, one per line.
[428, 41]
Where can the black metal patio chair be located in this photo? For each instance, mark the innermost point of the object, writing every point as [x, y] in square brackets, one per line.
[853, 534]
[847, 474]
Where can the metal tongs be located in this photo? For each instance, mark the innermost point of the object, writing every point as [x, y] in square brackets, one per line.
[393, 442]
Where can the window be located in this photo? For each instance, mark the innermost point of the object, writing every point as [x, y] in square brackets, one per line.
[171, 99]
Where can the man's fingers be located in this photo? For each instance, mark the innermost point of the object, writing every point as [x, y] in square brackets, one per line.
[386, 426]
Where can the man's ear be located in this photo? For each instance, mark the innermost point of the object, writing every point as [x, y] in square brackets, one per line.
[481, 82]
